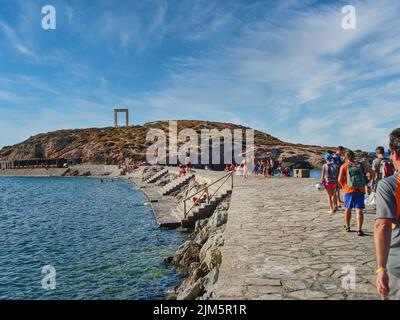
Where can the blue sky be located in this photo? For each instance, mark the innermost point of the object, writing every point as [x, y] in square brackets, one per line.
[284, 67]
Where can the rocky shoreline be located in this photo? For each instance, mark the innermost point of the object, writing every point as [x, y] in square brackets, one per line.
[199, 258]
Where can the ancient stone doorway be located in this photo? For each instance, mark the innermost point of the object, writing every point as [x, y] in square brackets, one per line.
[116, 111]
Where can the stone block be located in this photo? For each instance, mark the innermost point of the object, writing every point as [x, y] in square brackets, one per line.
[301, 173]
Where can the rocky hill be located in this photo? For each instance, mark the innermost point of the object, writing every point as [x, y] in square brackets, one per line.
[111, 145]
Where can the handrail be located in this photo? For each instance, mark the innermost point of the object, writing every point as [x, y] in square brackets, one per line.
[187, 191]
[230, 173]
[226, 177]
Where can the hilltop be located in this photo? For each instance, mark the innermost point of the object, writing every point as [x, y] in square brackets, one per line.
[109, 145]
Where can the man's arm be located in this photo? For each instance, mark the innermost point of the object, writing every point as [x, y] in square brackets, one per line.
[341, 176]
[368, 169]
[376, 172]
[382, 237]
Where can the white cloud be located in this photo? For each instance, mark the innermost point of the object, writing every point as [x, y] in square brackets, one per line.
[304, 74]
[15, 40]
[287, 68]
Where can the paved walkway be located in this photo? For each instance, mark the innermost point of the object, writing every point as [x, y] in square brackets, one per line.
[281, 243]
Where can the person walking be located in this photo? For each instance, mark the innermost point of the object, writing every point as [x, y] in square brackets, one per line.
[382, 166]
[352, 178]
[329, 178]
[243, 165]
[387, 227]
[337, 161]
[188, 164]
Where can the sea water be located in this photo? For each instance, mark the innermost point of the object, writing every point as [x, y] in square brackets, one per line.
[91, 240]
[314, 173]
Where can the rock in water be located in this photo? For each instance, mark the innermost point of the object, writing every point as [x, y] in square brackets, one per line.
[186, 254]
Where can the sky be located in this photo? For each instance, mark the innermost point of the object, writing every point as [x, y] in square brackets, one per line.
[287, 68]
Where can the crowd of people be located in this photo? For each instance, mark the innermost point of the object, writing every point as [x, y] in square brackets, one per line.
[265, 167]
[129, 168]
[342, 171]
[241, 169]
[381, 180]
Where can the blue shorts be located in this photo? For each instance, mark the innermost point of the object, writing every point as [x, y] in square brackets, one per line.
[354, 200]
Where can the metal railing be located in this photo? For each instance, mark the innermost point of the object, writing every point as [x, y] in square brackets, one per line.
[204, 190]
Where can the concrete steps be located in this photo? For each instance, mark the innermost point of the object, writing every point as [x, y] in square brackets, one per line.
[203, 211]
[176, 184]
[156, 176]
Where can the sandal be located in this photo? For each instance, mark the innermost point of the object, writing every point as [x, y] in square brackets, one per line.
[360, 233]
[347, 229]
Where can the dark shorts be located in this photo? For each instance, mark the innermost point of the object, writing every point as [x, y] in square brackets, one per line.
[354, 200]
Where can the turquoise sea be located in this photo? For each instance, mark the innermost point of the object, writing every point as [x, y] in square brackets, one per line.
[315, 173]
[100, 238]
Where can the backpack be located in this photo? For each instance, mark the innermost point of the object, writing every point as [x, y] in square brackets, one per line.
[386, 168]
[337, 161]
[330, 173]
[356, 176]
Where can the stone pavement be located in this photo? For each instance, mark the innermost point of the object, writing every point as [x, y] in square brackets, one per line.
[282, 243]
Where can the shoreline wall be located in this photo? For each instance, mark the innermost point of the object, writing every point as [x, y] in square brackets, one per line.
[71, 171]
[51, 172]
